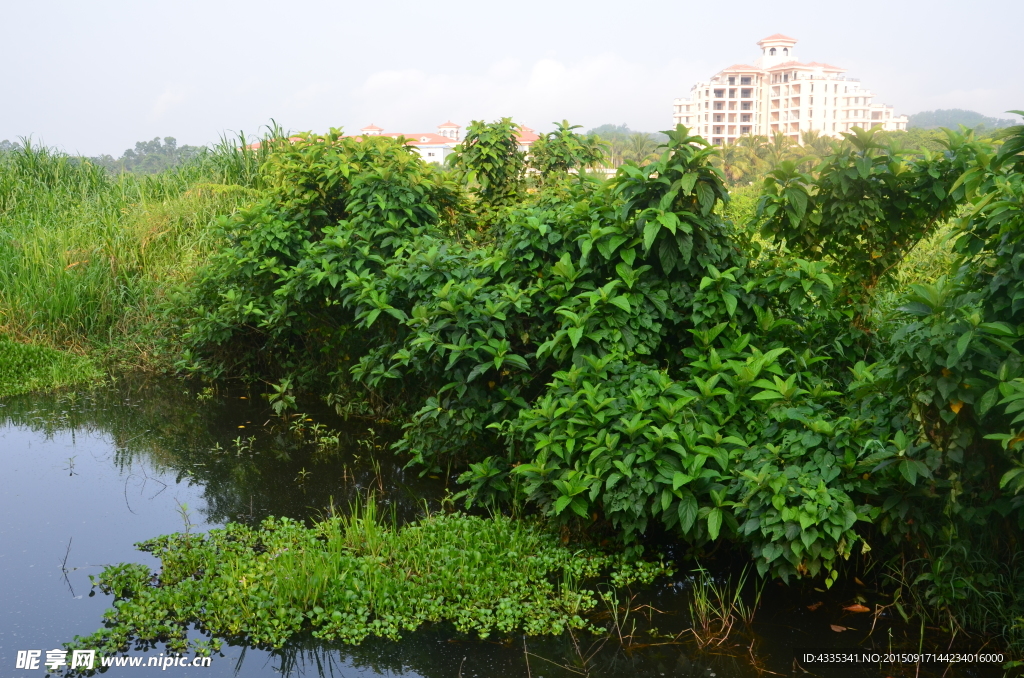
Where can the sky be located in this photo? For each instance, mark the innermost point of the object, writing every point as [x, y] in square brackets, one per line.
[95, 77]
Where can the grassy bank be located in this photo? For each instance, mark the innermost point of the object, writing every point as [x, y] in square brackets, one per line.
[88, 257]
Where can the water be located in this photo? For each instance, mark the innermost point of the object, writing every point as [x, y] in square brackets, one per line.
[87, 474]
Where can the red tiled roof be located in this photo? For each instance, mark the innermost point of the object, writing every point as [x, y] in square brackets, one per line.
[372, 128]
[526, 136]
[449, 124]
[256, 144]
[827, 67]
[420, 138]
[785, 64]
[776, 36]
[797, 64]
[741, 67]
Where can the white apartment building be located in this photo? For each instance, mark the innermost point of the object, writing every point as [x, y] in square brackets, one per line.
[779, 93]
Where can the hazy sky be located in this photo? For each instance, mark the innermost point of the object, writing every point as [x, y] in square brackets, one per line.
[95, 76]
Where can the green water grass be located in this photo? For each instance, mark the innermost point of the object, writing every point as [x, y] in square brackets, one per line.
[28, 367]
[89, 259]
[347, 578]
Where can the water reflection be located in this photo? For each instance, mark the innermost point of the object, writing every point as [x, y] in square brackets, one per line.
[89, 473]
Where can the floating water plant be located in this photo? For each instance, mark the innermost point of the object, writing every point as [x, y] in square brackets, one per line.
[347, 578]
[27, 367]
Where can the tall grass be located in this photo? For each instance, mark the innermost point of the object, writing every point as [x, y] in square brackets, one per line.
[87, 256]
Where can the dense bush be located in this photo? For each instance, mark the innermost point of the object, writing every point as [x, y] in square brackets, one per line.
[617, 353]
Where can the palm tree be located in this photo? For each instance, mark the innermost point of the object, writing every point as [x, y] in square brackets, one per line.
[755, 149]
[640, 148]
[815, 147]
[778, 149]
[735, 161]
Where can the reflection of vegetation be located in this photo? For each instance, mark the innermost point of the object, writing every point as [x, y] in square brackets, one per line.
[160, 423]
[25, 367]
[350, 577]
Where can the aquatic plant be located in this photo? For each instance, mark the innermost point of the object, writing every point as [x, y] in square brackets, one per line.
[27, 367]
[350, 577]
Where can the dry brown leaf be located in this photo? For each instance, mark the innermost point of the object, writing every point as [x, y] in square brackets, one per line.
[858, 582]
[814, 607]
[857, 607]
[839, 629]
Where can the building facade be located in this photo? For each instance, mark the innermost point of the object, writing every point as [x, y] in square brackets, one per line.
[435, 147]
[779, 93]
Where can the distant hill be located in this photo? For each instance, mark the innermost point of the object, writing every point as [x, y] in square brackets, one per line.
[953, 117]
[610, 131]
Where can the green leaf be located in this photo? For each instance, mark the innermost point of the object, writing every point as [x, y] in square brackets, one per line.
[988, 400]
[687, 510]
[963, 342]
[909, 470]
[679, 479]
[622, 302]
[517, 361]
[1009, 476]
[651, 229]
[730, 302]
[575, 334]
[561, 503]
[714, 523]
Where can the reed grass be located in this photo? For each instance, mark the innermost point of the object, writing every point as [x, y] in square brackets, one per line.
[89, 258]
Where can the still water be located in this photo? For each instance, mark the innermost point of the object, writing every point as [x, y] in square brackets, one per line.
[84, 475]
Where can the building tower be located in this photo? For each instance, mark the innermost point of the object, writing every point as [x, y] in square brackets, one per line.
[780, 94]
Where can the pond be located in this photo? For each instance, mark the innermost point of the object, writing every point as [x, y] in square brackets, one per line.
[88, 473]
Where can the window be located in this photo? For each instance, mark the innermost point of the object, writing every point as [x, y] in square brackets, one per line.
[744, 105]
[771, 52]
[810, 112]
[745, 80]
[810, 100]
[785, 50]
[744, 130]
[732, 79]
[718, 130]
[732, 93]
[745, 117]
[746, 93]
[785, 77]
[719, 93]
[719, 105]
[719, 117]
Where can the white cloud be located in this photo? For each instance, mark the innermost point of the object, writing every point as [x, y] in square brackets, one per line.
[172, 96]
[590, 91]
